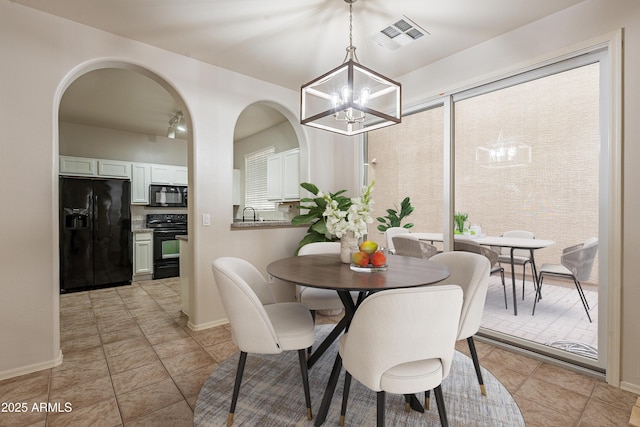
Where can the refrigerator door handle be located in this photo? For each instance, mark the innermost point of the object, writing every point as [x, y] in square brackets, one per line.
[94, 202]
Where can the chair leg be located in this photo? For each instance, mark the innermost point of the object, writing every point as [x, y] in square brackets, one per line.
[583, 298]
[380, 408]
[524, 270]
[305, 381]
[442, 412]
[345, 396]
[476, 364]
[313, 316]
[236, 387]
[427, 400]
[537, 297]
[504, 289]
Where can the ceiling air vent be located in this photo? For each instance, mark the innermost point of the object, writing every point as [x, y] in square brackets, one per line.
[400, 33]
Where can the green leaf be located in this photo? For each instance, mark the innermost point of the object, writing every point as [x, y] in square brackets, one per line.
[302, 219]
[320, 227]
[310, 188]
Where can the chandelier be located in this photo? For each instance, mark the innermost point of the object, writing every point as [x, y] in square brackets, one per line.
[350, 99]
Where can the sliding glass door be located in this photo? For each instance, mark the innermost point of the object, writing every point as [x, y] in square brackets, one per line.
[527, 159]
[528, 153]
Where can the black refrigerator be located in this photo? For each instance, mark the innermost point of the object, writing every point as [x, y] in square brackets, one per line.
[95, 233]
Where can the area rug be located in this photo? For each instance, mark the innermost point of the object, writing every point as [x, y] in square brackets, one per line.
[271, 395]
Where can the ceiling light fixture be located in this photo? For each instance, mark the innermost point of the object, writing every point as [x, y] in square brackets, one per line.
[351, 98]
[176, 124]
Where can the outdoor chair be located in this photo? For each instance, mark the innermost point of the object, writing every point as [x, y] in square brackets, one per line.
[389, 233]
[576, 263]
[520, 256]
[470, 246]
[408, 245]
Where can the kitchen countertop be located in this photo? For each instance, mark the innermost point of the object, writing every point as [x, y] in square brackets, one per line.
[239, 225]
[142, 230]
[183, 237]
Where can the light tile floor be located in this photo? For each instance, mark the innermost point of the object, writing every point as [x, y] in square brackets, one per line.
[560, 319]
[130, 360]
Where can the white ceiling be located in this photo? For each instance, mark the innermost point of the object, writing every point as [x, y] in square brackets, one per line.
[290, 42]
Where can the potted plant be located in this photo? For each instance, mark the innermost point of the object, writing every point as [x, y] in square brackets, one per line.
[394, 218]
[332, 216]
[460, 218]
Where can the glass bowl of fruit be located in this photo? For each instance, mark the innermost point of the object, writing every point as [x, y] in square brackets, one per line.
[368, 258]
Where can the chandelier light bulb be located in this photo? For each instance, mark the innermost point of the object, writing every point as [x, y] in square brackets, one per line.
[335, 99]
[364, 96]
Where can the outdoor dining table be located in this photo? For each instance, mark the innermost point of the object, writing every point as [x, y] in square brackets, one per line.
[326, 271]
[504, 242]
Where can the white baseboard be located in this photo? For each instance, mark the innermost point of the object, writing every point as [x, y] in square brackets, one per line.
[23, 370]
[633, 388]
[202, 326]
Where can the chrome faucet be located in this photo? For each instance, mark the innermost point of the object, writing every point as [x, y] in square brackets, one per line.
[254, 213]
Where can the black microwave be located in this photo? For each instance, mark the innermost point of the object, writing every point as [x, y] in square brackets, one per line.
[168, 196]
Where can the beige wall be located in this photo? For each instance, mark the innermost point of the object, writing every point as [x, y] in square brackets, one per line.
[100, 143]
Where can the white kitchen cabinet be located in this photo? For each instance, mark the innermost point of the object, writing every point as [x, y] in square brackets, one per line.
[114, 169]
[236, 196]
[140, 180]
[84, 166]
[283, 176]
[143, 253]
[184, 276]
[161, 174]
[180, 175]
[80, 166]
[291, 175]
[168, 174]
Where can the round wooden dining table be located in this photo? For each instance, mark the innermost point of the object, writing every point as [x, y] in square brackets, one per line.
[326, 271]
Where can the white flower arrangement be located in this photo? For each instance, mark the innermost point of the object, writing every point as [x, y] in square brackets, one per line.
[354, 219]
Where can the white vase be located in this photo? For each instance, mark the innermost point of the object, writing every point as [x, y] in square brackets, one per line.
[348, 245]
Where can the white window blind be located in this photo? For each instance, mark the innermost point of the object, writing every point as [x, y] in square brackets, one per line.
[255, 191]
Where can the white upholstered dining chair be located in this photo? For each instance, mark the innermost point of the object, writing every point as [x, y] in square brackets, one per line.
[320, 299]
[259, 324]
[471, 272]
[381, 349]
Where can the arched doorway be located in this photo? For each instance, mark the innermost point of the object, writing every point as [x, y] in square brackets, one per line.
[122, 112]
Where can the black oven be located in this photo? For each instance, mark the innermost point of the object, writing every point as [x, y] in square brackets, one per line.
[166, 247]
[168, 196]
